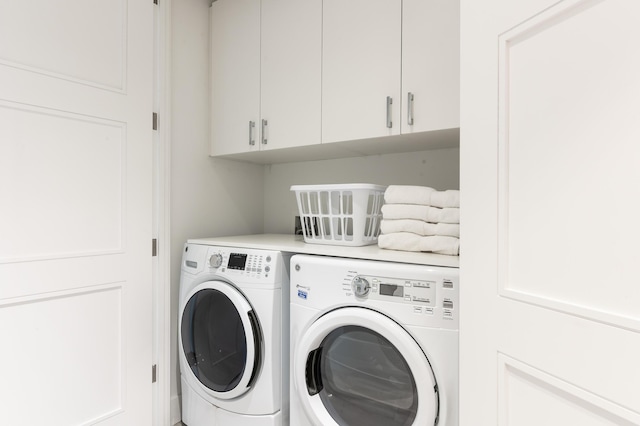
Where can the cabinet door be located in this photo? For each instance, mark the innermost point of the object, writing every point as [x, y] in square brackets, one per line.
[430, 65]
[235, 75]
[291, 68]
[361, 68]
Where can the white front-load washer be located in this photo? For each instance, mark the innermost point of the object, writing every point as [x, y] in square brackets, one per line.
[373, 343]
[234, 336]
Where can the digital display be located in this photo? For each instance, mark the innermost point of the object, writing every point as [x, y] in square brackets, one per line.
[237, 261]
[391, 290]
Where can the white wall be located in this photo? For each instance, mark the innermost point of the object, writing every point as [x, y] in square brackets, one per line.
[208, 197]
[439, 169]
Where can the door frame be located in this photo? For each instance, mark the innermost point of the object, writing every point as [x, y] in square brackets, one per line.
[162, 410]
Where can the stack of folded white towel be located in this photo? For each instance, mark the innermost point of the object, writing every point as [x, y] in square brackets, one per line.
[419, 218]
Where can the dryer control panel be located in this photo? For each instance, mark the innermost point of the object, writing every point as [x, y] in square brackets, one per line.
[435, 296]
[411, 294]
[395, 289]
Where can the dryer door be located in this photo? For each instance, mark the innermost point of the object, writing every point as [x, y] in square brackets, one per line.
[221, 340]
[354, 366]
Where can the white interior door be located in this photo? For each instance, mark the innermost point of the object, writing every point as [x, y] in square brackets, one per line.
[550, 321]
[75, 212]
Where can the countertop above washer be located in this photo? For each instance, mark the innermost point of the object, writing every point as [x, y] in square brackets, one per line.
[295, 244]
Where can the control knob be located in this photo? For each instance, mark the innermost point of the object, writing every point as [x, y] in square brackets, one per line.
[215, 260]
[360, 286]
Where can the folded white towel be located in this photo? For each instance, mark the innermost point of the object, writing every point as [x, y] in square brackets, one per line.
[448, 198]
[408, 194]
[422, 195]
[390, 226]
[407, 241]
[424, 213]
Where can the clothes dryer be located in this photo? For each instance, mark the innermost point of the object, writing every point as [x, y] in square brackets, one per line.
[234, 336]
[373, 343]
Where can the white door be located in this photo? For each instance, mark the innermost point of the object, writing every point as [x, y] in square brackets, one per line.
[361, 46]
[550, 149]
[75, 212]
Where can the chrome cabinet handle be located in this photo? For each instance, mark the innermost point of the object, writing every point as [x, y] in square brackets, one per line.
[252, 125]
[389, 102]
[410, 109]
[264, 132]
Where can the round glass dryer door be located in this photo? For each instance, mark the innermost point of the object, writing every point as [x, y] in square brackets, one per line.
[357, 367]
[221, 339]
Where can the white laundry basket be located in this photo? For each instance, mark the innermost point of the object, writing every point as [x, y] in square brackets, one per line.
[340, 214]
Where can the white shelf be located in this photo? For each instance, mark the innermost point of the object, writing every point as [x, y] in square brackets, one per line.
[296, 244]
[438, 139]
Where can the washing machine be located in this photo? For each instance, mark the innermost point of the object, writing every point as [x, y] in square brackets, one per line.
[373, 343]
[234, 336]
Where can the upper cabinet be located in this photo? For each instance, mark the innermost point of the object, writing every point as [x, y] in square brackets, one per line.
[333, 77]
[361, 69]
[235, 76]
[265, 74]
[291, 72]
[430, 65]
[390, 67]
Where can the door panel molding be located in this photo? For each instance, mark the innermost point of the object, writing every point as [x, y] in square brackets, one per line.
[541, 222]
[76, 337]
[78, 209]
[549, 159]
[530, 389]
[97, 31]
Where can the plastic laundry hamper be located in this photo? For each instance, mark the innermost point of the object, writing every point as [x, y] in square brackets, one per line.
[340, 214]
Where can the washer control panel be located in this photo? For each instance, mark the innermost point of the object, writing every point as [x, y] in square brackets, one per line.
[250, 265]
[244, 263]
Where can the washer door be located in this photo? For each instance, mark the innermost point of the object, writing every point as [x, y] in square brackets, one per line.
[354, 366]
[221, 339]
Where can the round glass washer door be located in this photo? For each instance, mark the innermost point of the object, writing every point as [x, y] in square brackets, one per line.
[221, 340]
[355, 366]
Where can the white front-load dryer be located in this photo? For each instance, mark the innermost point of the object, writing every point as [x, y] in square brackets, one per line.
[233, 336]
[373, 343]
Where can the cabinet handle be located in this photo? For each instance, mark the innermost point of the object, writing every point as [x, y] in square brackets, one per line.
[410, 109]
[264, 132]
[252, 125]
[389, 102]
